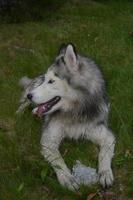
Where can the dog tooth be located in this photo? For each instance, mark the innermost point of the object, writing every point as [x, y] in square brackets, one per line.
[43, 107]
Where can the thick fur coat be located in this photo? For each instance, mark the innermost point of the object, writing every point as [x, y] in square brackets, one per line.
[72, 97]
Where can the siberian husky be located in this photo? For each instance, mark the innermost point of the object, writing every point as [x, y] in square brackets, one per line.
[72, 97]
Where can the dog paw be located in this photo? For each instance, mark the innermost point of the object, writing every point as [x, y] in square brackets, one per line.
[106, 178]
[67, 180]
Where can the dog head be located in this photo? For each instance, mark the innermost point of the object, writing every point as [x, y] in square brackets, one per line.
[73, 83]
[54, 92]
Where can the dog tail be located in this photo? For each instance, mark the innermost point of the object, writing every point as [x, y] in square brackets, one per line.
[24, 82]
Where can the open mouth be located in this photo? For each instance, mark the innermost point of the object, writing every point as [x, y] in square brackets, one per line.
[43, 108]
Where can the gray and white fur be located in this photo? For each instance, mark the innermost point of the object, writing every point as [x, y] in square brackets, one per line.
[27, 84]
[79, 109]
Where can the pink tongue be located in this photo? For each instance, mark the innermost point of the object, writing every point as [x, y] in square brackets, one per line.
[40, 110]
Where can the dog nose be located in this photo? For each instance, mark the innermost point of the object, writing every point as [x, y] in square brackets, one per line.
[29, 96]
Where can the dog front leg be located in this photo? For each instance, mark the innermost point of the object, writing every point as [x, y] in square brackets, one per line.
[106, 141]
[50, 143]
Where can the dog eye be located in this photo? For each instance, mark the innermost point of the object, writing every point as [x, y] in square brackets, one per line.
[51, 81]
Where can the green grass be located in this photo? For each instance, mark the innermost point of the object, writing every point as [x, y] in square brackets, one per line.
[99, 29]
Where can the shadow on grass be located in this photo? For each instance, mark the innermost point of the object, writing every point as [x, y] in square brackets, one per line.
[28, 10]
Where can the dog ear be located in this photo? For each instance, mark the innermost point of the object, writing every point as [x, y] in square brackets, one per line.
[24, 82]
[71, 56]
[62, 48]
